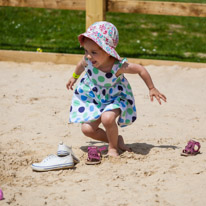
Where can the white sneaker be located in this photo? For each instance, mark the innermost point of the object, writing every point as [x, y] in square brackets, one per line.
[64, 150]
[53, 162]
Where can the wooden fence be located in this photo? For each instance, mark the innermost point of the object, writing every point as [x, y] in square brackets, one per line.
[96, 9]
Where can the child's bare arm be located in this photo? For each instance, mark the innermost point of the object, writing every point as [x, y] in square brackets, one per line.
[144, 74]
[78, 70]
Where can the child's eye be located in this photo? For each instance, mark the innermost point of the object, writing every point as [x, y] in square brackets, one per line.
[94, 53]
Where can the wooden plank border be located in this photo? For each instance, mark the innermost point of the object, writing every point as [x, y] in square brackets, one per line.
[57, 58]
[158, 7]
[28, 57]
[125, 6]
[49, 4]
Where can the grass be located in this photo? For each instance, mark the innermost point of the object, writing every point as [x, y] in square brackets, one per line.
[52, 30]
[161, 37]
[141, 36]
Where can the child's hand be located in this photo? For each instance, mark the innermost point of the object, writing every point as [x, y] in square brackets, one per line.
[155, 93]
[70, 83]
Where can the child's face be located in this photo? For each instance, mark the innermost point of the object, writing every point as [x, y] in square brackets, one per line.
[95, 54]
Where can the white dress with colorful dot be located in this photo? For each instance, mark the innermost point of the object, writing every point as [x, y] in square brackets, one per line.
[98, 92]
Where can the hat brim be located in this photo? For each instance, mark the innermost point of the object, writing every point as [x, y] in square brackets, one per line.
[108, 49]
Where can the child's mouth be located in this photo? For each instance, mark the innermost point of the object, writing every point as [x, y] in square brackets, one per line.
[94, 62]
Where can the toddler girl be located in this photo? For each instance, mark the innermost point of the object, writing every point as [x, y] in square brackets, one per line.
[104, 94]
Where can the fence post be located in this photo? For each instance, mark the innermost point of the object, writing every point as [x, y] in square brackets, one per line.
[95, 11]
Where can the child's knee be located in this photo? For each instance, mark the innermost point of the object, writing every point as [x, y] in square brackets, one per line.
[87, 130]
[108, 119]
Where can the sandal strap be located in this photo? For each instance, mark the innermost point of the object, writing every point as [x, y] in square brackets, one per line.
[190, 147]
[102, 148]
[198, 146]
[94, 153]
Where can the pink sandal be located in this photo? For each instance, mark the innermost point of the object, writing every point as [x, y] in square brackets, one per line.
[190, 148]
[94, 155]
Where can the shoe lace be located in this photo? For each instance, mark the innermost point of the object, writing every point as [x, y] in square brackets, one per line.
[48, 158]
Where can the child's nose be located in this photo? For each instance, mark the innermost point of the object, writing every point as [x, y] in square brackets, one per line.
[88, 56]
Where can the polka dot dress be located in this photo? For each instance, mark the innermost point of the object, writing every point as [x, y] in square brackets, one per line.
[98, 92]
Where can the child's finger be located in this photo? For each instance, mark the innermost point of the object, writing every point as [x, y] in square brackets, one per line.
[163, 97]
[69, 85]
[151, 98]
[158, 99]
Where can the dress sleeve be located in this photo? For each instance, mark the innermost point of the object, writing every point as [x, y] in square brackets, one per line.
[86, 62]
[118, 64]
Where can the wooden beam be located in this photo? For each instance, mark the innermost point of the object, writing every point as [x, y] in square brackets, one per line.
[146, 62]
[155, 7]
[52, 4]
[28, 57]
[95, 11]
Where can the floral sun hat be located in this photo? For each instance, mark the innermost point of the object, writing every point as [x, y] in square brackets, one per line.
[105, 34]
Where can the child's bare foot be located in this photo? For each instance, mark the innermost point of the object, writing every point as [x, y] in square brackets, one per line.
[113, 153]
[122, 145]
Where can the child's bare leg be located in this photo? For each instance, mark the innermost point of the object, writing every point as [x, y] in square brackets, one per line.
[92, 130]
[108, 119]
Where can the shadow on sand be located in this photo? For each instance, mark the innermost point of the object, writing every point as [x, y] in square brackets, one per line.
[137, 148]
[144, 148]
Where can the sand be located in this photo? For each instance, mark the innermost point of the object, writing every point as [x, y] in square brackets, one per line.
[34, 119]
